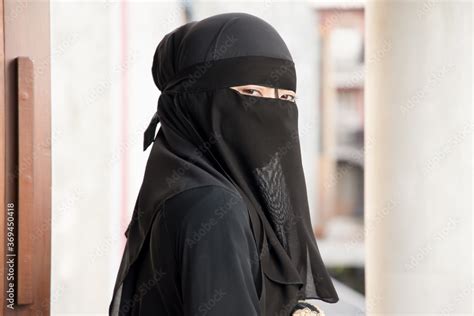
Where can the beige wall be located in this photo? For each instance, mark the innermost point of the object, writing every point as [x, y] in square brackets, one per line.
[419, 158]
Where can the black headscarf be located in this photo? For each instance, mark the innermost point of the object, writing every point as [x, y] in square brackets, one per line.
[211, 134]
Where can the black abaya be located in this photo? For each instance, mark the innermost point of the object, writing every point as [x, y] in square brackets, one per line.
[211, 135]
[199, 259]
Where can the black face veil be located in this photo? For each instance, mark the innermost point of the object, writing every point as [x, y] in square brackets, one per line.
[211, 134]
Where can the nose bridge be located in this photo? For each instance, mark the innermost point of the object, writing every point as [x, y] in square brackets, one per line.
[270, 92]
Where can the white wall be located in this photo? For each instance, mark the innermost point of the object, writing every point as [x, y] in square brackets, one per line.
[419, 158]
[103, 96]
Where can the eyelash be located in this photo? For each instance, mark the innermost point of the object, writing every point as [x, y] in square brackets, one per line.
[293, 98]
[251, 90]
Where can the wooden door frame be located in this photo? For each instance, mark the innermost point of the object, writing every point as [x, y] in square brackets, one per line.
[25, 31]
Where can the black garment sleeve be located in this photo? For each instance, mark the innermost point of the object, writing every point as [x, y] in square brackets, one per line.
[216, 253]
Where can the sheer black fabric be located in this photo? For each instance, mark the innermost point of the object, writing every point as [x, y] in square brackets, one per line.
[213, 135]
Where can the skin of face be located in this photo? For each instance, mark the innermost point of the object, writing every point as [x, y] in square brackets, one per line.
[266, 92]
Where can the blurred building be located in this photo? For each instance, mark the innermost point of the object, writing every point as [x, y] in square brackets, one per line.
[340, 224]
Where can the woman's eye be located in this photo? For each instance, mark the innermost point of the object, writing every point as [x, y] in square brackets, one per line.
[288, 97]
[254, 92]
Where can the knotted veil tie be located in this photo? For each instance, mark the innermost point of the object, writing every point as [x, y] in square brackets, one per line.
[149, 134]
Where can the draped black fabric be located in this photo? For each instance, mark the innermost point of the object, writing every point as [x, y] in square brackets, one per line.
[213, 135]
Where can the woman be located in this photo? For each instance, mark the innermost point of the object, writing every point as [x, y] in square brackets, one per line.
[221, 224]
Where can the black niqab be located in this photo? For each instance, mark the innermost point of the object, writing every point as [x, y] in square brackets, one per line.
[211, 134]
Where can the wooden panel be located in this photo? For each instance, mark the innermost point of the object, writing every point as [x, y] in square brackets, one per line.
[27, 33]
[26, 187]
